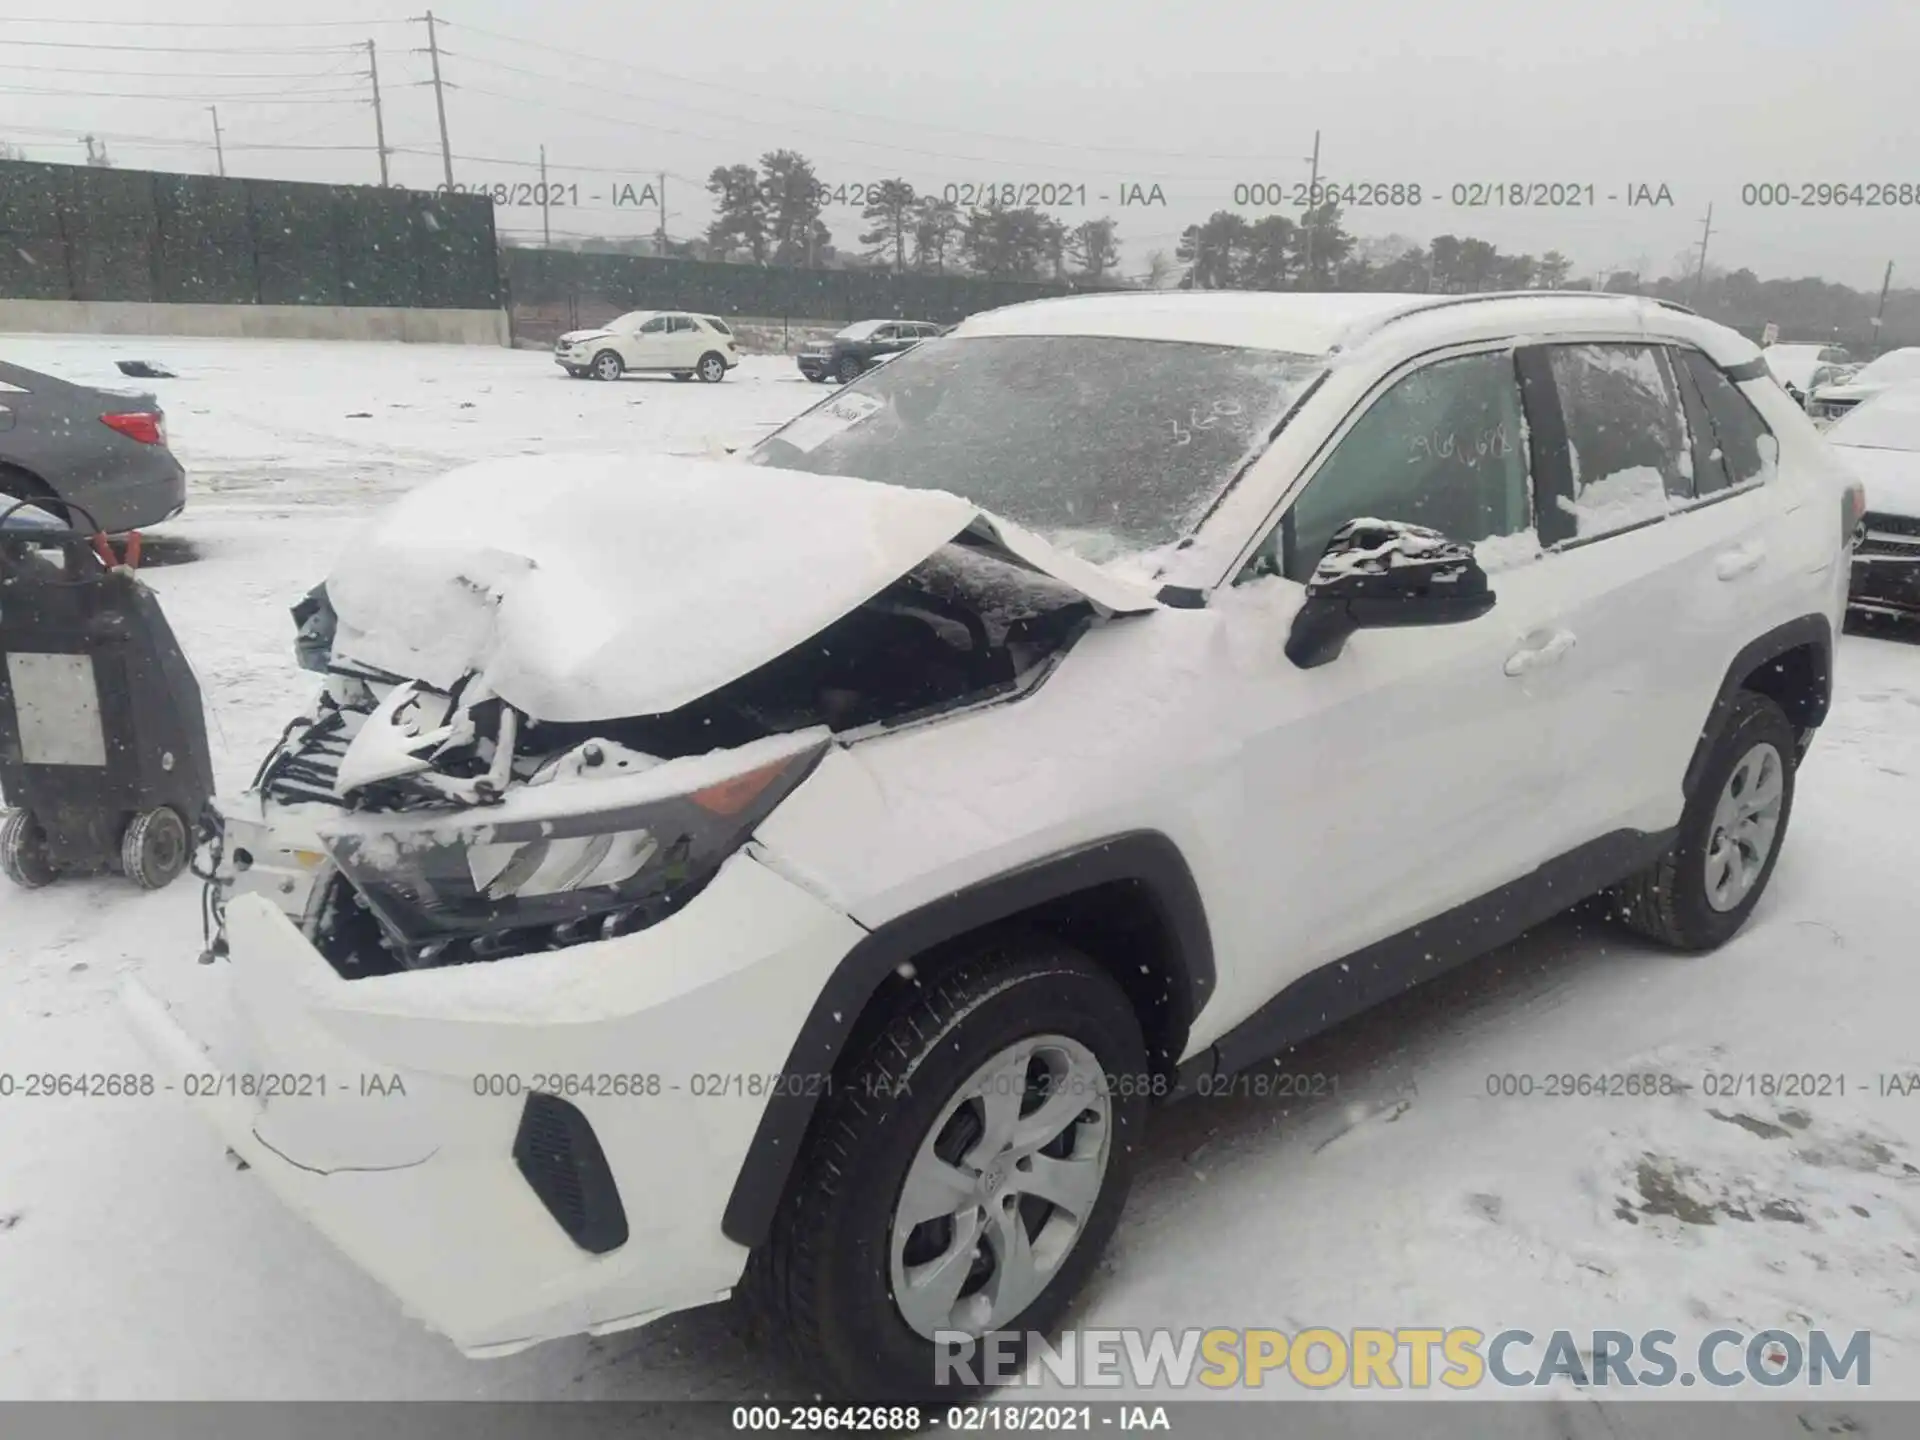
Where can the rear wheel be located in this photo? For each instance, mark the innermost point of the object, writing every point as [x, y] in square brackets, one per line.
[712, 368]
[23, 851]
[154, 849]
[608, 365]
[1702, 890]
[963, 1176]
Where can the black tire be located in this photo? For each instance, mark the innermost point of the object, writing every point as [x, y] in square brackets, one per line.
[1668, 900]
[155, 848]
[683, 374]
[608, 365]
[848, 370]
[821, 1284]
[712, 368]
[23, 851]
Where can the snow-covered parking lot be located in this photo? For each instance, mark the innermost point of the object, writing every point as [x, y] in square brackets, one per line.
[135, 1263]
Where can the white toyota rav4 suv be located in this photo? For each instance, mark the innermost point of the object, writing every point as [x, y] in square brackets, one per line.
[800, 874]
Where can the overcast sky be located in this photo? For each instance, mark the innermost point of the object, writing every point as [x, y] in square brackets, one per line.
[1703, 96]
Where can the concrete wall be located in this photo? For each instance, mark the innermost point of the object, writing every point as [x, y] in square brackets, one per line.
[261, 322]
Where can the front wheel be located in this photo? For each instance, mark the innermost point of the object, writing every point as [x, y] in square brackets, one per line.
[608, 365]
[712, 368]
[848, 371]
[963, 1175]
[1702, 890]
[23, 851]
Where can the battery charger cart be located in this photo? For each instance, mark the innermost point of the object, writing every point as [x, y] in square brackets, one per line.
[104, 763]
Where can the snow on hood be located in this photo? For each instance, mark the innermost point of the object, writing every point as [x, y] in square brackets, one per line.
[1892, 478]
[589, 587]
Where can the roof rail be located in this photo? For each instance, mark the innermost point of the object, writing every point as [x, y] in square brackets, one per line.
[1374, 324]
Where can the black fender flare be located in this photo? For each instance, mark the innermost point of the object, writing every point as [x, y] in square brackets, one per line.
[1815, 631]
[1143, 856]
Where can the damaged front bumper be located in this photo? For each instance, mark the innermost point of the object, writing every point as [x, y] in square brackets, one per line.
[392, 1111]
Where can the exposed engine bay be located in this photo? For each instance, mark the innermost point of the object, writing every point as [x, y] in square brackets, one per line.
[508, 833]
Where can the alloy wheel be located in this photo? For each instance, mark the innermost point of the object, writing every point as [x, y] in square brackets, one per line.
[1001, 1187]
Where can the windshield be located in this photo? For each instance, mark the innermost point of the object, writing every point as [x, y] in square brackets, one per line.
[1103, 446]
[1894, 365]
[632, 320]
[1889, 421]
[859, 330]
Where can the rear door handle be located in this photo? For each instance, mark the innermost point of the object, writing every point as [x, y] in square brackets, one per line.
[1739, 561]
[1539, 653]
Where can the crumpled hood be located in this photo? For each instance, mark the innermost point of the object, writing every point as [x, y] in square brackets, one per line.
[575, 336]
[1892, 478]
[590, 587]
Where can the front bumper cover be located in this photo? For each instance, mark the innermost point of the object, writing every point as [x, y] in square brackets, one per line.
[385, 1110]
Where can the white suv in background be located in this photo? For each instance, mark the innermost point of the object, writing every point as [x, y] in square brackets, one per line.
[680, 344]
[709, 875]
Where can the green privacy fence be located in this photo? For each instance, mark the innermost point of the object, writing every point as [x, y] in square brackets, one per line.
[588, 288]
[73, 232]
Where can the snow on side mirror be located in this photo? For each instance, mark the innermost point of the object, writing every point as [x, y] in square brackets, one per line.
[1379, 573]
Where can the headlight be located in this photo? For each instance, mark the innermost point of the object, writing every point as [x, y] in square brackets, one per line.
[486, 884]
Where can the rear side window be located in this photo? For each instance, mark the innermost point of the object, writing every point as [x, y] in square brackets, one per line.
[683, 323]
[1626, 438]
[1728, 433]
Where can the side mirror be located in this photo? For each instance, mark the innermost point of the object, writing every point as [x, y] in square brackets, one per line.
[1377, 573]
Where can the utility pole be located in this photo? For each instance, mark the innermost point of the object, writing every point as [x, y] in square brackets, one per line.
[1700, 274]
[1880, 313]
[1313, 195]
[219, 150]
[379, 119]
[546, 221]
[439, 96]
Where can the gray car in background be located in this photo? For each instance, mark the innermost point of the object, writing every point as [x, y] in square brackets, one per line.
[104, 451]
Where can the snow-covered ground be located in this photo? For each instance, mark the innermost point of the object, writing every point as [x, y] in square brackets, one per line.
[135, 1263]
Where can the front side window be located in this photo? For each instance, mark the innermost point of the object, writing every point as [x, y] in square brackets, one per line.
[1444, 447]
[1626, 439]
[1105, 446]
[656, 326]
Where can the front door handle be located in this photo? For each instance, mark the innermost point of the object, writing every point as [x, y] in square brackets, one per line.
[1741, 560]
[1539, 652]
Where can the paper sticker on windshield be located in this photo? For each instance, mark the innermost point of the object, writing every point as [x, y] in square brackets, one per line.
[816, 427]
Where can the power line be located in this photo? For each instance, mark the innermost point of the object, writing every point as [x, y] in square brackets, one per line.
[199, 24]
[861, 115]
[186, 49]
[261, 97]
[172, 74]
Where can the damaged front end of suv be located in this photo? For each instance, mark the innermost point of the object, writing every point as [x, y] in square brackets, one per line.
[550, 714]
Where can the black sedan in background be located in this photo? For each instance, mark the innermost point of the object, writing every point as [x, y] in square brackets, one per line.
[861, 346]
[103, 450]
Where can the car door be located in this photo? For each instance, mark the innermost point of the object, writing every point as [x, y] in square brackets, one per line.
[1655, 554]
[686, 342]
[649, 347]
[1400, 780]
